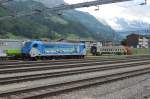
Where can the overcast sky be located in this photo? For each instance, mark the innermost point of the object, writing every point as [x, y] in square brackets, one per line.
[128, 10]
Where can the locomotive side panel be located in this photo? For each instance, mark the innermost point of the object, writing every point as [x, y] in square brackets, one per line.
[52, 49]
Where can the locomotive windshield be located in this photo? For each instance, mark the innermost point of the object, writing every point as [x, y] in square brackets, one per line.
[27, 44]
[35, 45]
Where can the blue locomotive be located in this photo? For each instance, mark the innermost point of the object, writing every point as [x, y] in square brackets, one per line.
[43, 50]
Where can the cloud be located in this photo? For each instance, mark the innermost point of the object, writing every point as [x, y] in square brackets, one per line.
[130, 11]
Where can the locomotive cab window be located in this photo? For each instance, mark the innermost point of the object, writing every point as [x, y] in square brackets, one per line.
[35, 45]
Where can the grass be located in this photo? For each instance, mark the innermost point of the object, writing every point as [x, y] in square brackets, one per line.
[140, 51]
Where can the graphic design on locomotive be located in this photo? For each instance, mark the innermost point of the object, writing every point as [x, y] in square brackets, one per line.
[42, 49]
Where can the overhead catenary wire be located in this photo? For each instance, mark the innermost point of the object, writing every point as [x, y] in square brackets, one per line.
[62, 7]
[4, 1]
[134, 5]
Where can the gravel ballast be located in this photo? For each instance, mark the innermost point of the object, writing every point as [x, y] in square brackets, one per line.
[130, 88]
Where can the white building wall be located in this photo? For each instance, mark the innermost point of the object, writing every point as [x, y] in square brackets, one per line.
[143, 43]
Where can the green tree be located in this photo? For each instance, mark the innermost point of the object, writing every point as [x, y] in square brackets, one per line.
[124, 42]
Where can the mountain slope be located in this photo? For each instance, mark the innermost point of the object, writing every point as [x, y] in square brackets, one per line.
[134, 26]
[131, 25]
[51, 3]
[99, 30]
[70, 25]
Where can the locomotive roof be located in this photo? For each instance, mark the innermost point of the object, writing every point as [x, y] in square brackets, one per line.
[62, 42]
[45, 42]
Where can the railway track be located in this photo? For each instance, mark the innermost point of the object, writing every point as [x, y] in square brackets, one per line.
[65, 62]
[35, 92]
[20, 77]
[37, 67]
[60, 80]
[36, 80]
[71, 60]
